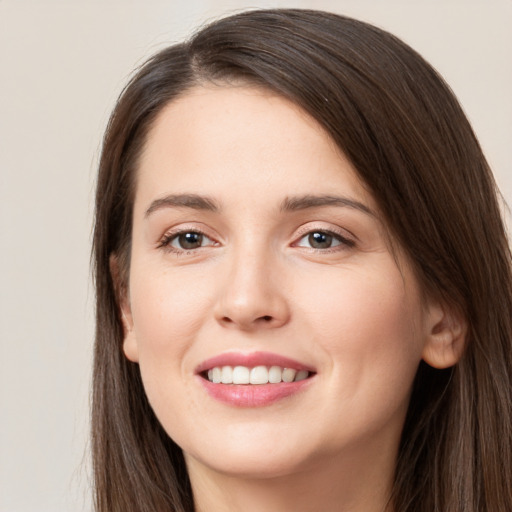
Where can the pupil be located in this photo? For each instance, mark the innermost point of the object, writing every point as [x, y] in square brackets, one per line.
[320, 240]
[190, 240]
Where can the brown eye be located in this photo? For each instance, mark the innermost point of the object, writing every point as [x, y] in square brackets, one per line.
[323, 240]
[320, 240]
[187, 241]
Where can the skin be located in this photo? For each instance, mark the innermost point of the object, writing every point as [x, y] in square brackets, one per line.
[353, 311]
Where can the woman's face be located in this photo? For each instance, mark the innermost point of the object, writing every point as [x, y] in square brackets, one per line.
[256, 246]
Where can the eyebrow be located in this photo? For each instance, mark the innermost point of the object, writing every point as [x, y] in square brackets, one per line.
[312, 201]
[297, 203]
[193, 201]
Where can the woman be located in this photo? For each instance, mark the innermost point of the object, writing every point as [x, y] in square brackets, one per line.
[303, 281]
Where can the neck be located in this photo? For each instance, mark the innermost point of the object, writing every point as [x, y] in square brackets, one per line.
[334, 485]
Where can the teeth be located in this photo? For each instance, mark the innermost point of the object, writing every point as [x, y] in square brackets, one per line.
[289, 374]
[256, 375]
[226, 377]
[240, 375]
[274, 374]
[301, 375]
[259, 375]
[217, 375]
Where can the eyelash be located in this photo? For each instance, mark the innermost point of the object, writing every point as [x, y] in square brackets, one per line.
[169, 238]
[344, 242]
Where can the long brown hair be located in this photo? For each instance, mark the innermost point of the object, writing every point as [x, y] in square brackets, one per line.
[407, 137]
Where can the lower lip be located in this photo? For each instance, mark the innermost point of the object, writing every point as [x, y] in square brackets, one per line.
[253, 395]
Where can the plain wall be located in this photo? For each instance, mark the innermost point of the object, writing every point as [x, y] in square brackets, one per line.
[62, 65]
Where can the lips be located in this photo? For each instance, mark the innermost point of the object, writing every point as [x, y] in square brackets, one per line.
[253, 380]
[252, 360]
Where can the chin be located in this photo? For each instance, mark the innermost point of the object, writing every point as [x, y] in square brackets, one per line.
[251, 453]
[254, 466]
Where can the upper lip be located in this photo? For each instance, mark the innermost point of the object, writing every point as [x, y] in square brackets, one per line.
[251, 360]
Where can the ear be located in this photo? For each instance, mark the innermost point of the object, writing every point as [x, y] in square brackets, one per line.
[130, 346]
[446, 336]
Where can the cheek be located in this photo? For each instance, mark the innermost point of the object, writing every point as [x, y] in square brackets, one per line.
[168, 313]
[368, 325]
[167, 310]
[364, 307]
[374, 314]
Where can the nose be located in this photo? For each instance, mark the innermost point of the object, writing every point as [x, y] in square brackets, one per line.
[251, 294]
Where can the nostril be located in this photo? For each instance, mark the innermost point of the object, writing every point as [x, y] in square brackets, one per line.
[267, 318]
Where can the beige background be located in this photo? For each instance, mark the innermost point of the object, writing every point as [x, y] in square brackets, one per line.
[62, 64]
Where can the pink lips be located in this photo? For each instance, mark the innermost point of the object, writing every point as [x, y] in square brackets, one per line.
[252, 359]
[252, 395]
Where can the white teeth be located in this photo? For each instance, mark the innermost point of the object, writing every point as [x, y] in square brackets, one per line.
[259, 375]
[227, 375]
[217, 375]
[289, 374]
[240, 375]
[256, 375]
[274, 374]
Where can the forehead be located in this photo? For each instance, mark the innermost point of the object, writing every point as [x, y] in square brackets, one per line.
[216, 138]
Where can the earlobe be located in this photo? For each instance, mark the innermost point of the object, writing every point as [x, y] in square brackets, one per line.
[446, 337]
[130, 346]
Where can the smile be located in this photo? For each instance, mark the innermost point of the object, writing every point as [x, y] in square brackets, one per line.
[256, 379]
[257, 375]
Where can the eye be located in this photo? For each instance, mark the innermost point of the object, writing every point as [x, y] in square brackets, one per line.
[323, 240]
[186, 241]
